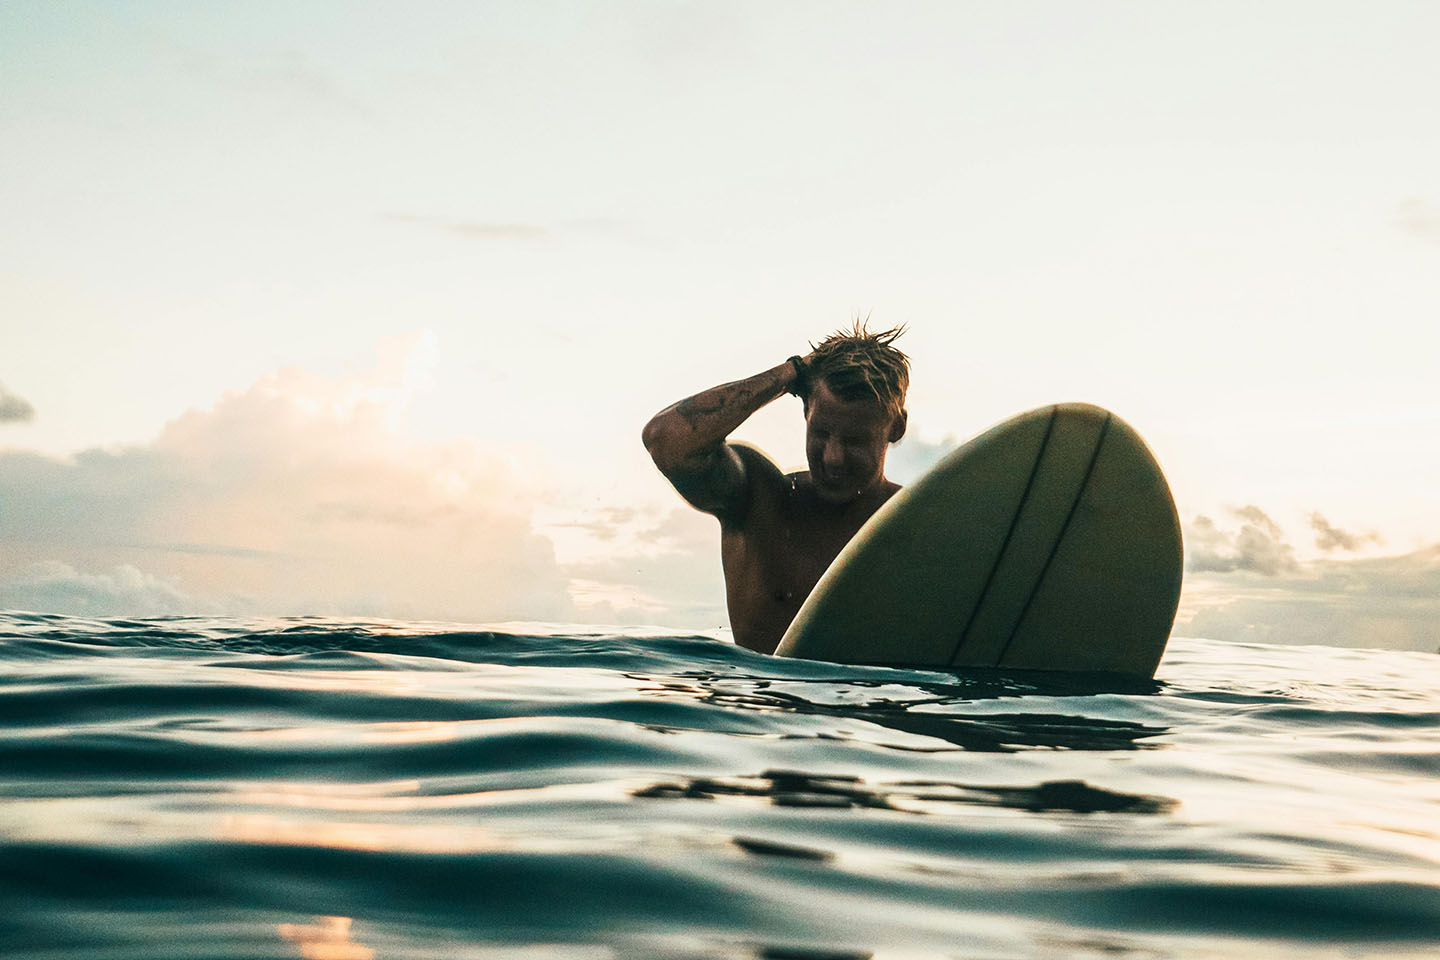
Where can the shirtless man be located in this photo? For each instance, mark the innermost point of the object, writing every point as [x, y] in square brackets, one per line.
[779, 532]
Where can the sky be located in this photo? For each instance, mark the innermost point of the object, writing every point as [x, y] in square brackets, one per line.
[352, 309]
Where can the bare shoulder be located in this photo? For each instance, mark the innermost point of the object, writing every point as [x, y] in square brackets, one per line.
[764, 487]
[753, 459]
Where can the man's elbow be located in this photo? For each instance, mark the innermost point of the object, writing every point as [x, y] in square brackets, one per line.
[658, 441]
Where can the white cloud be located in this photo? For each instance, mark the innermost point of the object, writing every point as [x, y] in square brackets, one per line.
[15, 409]
[909, 459]
[299, 494]
[636, 565]
[1330, 537]
[1259, 545]
[124, 591]
[1249, 585]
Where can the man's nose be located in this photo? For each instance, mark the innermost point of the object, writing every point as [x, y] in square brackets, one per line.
[834, 453]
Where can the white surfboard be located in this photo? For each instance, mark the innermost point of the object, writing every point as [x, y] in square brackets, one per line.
[1049, 542]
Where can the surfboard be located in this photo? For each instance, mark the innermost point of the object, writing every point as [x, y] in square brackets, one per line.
[1048, 542]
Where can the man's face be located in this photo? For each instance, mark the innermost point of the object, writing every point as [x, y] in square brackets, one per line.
[845, 443]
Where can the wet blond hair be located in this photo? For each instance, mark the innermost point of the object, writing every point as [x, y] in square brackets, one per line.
[856, 364]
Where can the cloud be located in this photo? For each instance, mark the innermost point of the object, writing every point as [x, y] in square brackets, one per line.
[15, 409]
[648, 567]
[603, 523]
[1248, 585]
[1259, 546]
[1328, 537]
[1383, 602]
[909, 459]
[54, 586]
[298, 495]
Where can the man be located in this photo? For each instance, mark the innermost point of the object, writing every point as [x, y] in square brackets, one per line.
[778, 533]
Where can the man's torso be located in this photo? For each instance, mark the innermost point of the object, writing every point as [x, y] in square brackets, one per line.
[781, 543]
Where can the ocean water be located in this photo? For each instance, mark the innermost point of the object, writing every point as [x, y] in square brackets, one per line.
[355, 789]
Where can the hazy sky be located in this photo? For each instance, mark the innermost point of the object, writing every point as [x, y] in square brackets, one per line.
[360, 307]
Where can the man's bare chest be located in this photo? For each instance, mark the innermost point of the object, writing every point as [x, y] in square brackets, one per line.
[788, 550]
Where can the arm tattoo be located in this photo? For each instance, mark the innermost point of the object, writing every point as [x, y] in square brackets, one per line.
[693, 409]
[696, 408]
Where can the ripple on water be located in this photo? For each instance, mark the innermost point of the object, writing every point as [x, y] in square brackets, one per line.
[358, 788]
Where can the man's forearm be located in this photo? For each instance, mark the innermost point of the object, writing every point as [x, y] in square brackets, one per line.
[697, 425]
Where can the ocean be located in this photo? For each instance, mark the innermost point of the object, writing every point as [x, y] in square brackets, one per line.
[356, 789]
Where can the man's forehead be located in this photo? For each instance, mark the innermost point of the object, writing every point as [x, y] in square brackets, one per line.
[826, 408]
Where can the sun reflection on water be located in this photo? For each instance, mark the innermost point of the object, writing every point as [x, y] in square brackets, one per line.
[348, 835]
[328, 938]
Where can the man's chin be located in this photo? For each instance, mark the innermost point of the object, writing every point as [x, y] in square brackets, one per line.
[836, 494]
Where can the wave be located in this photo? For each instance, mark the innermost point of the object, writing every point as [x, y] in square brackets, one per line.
[243, 788]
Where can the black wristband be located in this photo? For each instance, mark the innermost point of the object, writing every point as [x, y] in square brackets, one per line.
[800, 375]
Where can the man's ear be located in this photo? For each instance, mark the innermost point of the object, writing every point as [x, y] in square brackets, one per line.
[897, 426]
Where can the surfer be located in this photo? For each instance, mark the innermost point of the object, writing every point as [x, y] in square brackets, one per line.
[778, 532]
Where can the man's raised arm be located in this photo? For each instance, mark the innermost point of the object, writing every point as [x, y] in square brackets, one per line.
[687, 439]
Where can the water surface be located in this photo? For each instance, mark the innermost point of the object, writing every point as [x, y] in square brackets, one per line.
[345, 790]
